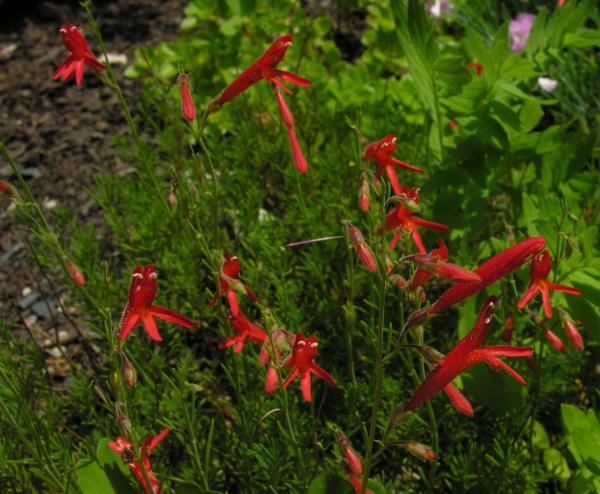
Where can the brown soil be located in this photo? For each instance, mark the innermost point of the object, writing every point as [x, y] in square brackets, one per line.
[61, 134]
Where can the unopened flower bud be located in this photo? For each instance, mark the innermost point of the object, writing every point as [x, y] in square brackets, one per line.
[6, 188]
[431, 354]
[129, 373]
[554, 340]
[574, 335]
[76, 274]
[271, 380]
[364, 193]
[352, 458]
[188, 110]
[123, 420]
[420, 450]
[172, 199]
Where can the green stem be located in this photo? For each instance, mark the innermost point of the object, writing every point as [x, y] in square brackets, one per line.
[378, 357]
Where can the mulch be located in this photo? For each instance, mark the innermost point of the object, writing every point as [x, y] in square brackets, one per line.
[61, 137]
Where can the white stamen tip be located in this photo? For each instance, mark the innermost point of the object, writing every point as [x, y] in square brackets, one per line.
[314, 344]
[137, 275]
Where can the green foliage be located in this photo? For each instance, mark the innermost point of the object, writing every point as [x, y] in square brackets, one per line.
[519, 163]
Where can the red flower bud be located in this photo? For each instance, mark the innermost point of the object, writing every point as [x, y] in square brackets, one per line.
[554, 340]
[571, 330]
[129, 372]
[6, 188]
[420, 450]
[188, 110]
[364, 194]
[76, 274]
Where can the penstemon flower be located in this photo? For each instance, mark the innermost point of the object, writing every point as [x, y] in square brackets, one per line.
[435, 263]
[458, 400]
[466, 353]
[540, 268]
[490, 271]
[188, 110]
[230, 284]
[139, 307]
[124, 449]
[402, 218]
[380, 151]
[79, 55]
[76, 275]
[244, 330]
[266, 68]
[476, 66]
[301, 363]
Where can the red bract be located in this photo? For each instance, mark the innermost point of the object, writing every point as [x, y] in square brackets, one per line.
[380, 151]
[362, 249]
[301, 363]
[244, 329]
[230, 283]
[404, 219]
[265, 68]
[79, 55]
[124, 449]
[468, 352]
[139, 307]
[540, 268]
[490, 271]
[435, 263]
[188, 110]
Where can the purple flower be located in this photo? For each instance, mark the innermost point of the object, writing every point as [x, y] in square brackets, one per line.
[518, 31]
[438, 8]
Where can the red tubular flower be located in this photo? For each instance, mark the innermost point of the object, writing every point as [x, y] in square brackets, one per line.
[357, 484]
[380, 151]
[571, 330]
[299, 159]
[466, 353]
[124, 449]
[244, 329]
[301, 363]
[188, 109]
[540, 268]
[458, 400]
[476, 66]
[554, 340]
[354, 464]
[490, 271]
[79, 55]
[401, 217]
[435, 263]
[139, 307]
[363, 250]
[230, 283]
[265, 68]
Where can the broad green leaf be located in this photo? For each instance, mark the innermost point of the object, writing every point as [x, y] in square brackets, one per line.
[540, 436]
[583, 435]
[328, 483]
[530, 115]
[452, 71]
[556, 464]
[92, 479]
